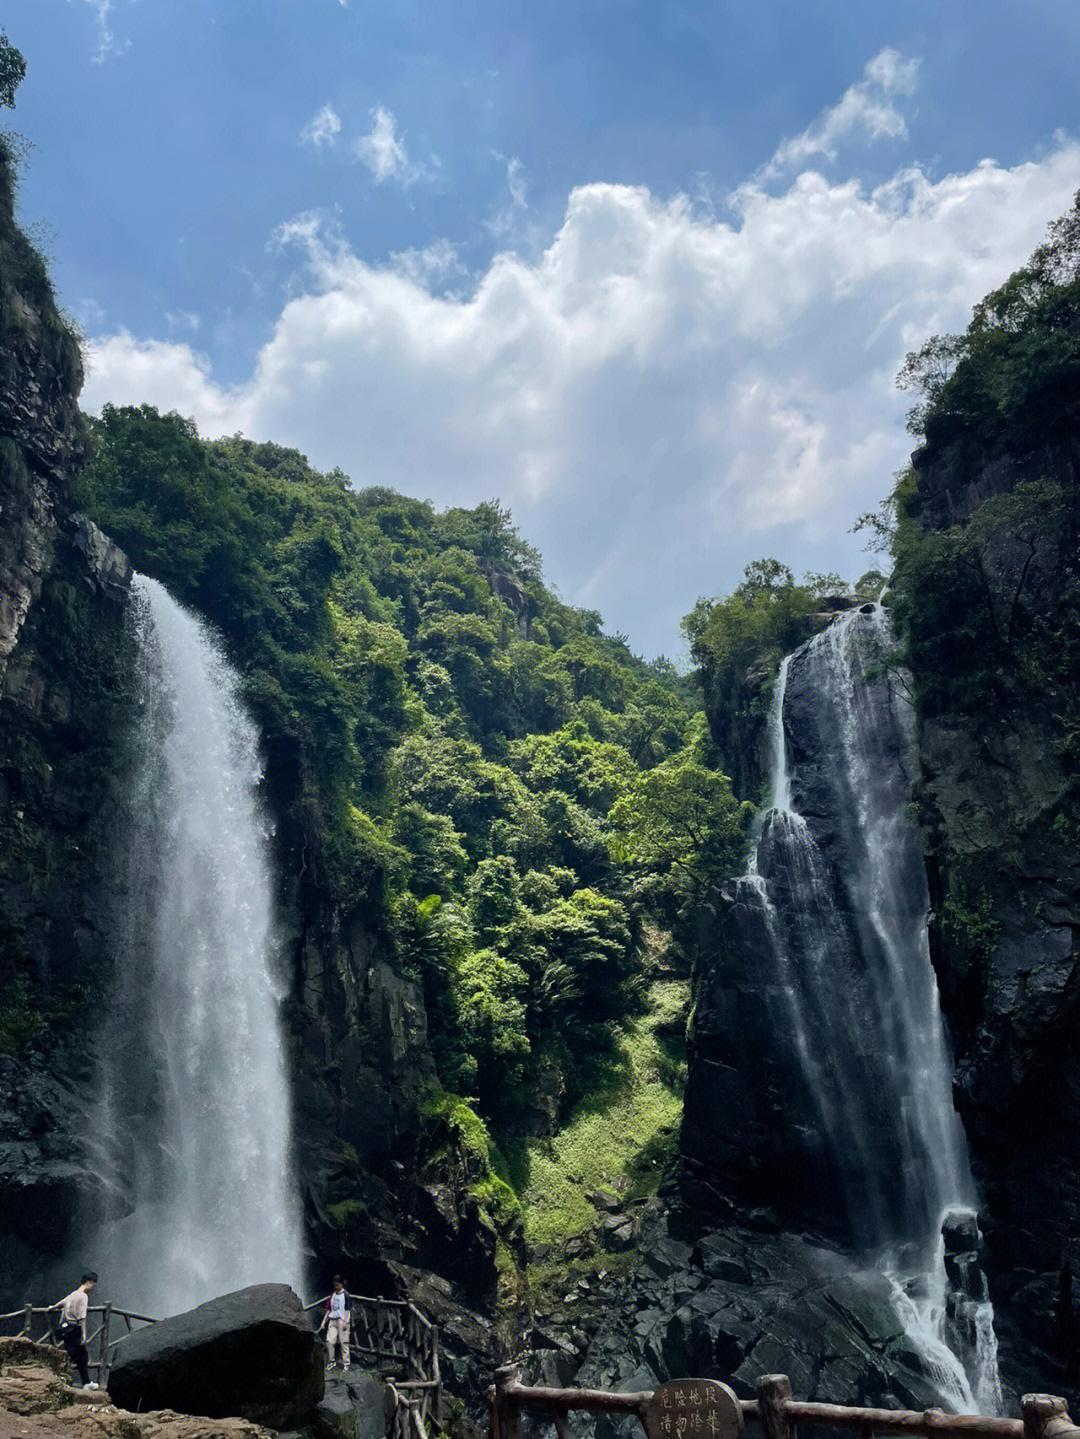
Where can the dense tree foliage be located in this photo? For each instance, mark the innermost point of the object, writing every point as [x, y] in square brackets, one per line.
[12, 71]
[1011, 381]
[474, 762]
[973, 596]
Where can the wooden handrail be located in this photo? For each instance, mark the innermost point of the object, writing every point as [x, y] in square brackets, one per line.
[98, 1337]
[395, 1330]
[1045, 1416]
[412, 1340]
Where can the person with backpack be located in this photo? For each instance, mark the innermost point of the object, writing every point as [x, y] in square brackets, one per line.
[71, 1329]
[336, 1322]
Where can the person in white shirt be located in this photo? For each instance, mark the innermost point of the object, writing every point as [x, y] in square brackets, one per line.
[336, 1324]
[72, 1327]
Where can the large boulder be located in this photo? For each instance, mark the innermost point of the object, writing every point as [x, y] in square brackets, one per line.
[251, 1354]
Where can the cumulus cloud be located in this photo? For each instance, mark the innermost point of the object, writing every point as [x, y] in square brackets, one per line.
[660, 396]
[323, 129]
[383, 151]
[867, 108]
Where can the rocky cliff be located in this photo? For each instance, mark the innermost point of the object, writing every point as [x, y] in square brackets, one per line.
[63, 687]
[998, 800]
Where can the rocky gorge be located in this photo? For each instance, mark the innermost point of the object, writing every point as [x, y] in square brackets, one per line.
[744, 1251]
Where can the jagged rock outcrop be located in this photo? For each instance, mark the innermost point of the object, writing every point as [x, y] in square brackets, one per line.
[506, 586]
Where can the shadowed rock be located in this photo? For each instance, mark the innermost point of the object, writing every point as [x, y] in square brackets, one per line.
[251, 1353]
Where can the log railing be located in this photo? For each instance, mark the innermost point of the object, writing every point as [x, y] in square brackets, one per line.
[393, 1332]
[777, 1413]
[399, 1338]
[37, 1323]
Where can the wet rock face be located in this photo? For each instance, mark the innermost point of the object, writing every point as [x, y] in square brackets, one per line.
[49, 1179]
[989, 798]
[799, 1052]
[63, 670]
[751, 1134]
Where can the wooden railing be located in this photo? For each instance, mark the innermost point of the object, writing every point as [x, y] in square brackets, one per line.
[777, 1413]
[399, 1338]
[392, 1332]
[38, 1323]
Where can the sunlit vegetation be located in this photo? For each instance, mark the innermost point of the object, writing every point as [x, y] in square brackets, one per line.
[505, 791]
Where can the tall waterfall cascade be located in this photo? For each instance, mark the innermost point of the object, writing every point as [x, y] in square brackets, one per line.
[839, 880]
[195, 1083]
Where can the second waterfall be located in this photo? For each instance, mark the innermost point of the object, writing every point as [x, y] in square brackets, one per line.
[839, 888]
[195, 1091]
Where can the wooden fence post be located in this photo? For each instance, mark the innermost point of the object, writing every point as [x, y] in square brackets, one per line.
[1045, 1415]
[436, 1374]
[28, 1321]
[103, 1365]
[507, 1411]
[774, 1390]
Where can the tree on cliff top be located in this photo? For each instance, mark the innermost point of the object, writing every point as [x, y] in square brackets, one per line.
[1012, 379]
[12, 71]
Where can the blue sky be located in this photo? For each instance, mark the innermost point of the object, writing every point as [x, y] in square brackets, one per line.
[643, 270]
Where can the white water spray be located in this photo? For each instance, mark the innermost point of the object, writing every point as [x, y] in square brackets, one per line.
[195, 1073]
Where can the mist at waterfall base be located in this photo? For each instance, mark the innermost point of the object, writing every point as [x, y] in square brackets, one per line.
[194, 1089]
[838, 882]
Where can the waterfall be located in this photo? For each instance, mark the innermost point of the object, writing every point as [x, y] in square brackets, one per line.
[838, 877]
[195, 1081]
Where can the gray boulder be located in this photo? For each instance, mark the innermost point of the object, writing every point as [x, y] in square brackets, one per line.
[251, 1354]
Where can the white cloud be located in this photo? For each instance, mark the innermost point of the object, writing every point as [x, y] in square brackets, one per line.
[506, 217]
[867, 107]
[165, 373]
[323, 129]
[182, 320]
[660, 396]
[434, 263]
[107, 42]
[383, 151]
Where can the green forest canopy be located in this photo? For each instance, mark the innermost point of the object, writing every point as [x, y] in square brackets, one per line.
[506, 790]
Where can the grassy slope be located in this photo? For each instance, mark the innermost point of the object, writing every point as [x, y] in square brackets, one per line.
[618, 1139]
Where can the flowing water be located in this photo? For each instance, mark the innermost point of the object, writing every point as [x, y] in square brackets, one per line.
[195, 1081]
[847, 925]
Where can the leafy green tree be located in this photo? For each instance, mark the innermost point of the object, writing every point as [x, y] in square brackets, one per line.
[12, 71]
[829, 583]
[681, 816]
[969, 598]
[764, 577]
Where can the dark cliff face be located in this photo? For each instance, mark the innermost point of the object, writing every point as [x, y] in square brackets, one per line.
[999, 808]
[64, 670]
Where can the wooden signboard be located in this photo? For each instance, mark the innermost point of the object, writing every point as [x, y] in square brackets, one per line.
[693, 1409]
